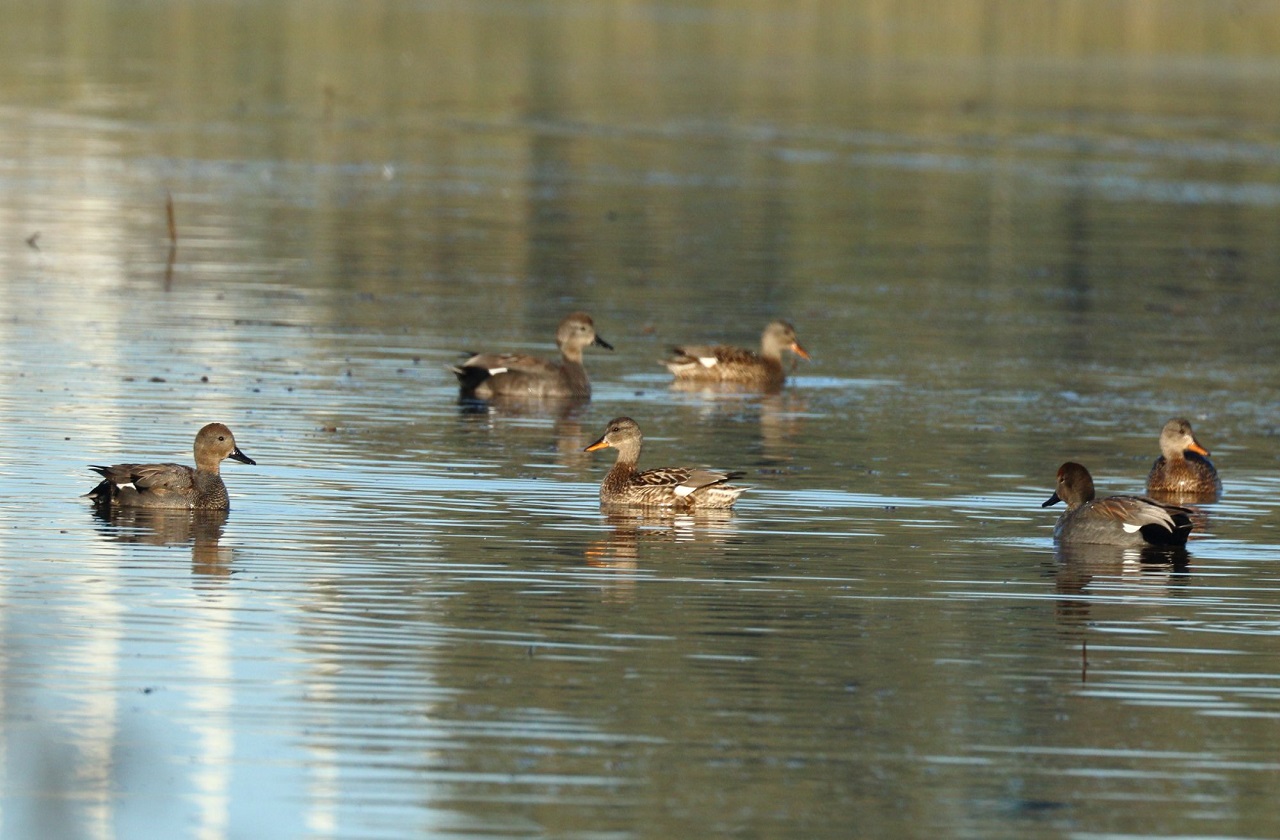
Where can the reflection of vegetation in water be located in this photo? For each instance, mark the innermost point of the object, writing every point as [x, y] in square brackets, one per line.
[501, 163]
[907, 183]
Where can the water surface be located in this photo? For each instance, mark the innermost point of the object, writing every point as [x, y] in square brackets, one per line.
[1009, 238]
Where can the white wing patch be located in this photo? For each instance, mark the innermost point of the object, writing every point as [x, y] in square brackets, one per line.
[682, 490]
[128, 484]
[1130, 528]
[496, 371]
[707, 361]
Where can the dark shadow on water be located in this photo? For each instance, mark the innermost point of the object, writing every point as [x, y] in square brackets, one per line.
[202, 529]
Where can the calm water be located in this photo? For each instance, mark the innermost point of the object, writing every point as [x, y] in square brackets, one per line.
[1009, 236]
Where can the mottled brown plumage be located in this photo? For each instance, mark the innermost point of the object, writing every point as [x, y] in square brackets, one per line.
[1183, 468]
[723, 363]
[668, 487]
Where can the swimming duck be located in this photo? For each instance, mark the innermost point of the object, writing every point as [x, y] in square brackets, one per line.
[1183, 468]
[671, 487]
[721, 363]
[174, 486]
[1131, 521]
[487, 375]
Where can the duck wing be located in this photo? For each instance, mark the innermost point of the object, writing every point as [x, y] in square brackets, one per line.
[1158, 523]
[707, 356]
[149, 477]
[682, 481]
[495, 363]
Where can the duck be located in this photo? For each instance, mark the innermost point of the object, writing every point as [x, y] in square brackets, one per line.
[1183, 468]
[487, 375]
[678, 488]
[173, 486]
[1130, 521]
[723, 363]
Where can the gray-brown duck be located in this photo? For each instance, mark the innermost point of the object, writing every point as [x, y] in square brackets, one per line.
[174, 486]
[1131, 521]
[487, 375]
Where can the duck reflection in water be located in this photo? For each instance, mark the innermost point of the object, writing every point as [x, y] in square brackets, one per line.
[508, 406]
[504, 416]
[782, 415]
[630, 528]
[1125, 572]
[202, 529]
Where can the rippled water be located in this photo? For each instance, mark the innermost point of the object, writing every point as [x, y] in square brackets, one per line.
[1007, 242]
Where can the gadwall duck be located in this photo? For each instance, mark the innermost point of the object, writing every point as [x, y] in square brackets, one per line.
[1183, 468]
[487, 375]
[174, 486]
[1130, 521]
[669, 487]
[721, 363]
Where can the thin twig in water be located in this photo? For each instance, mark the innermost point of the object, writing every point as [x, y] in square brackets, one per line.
[173, 241]
[173, 225]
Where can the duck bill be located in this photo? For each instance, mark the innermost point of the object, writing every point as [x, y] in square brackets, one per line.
[600, 444]
[1053, 500]
[237, 455]
[798, 350]
[1197, 448]
[600, 342]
